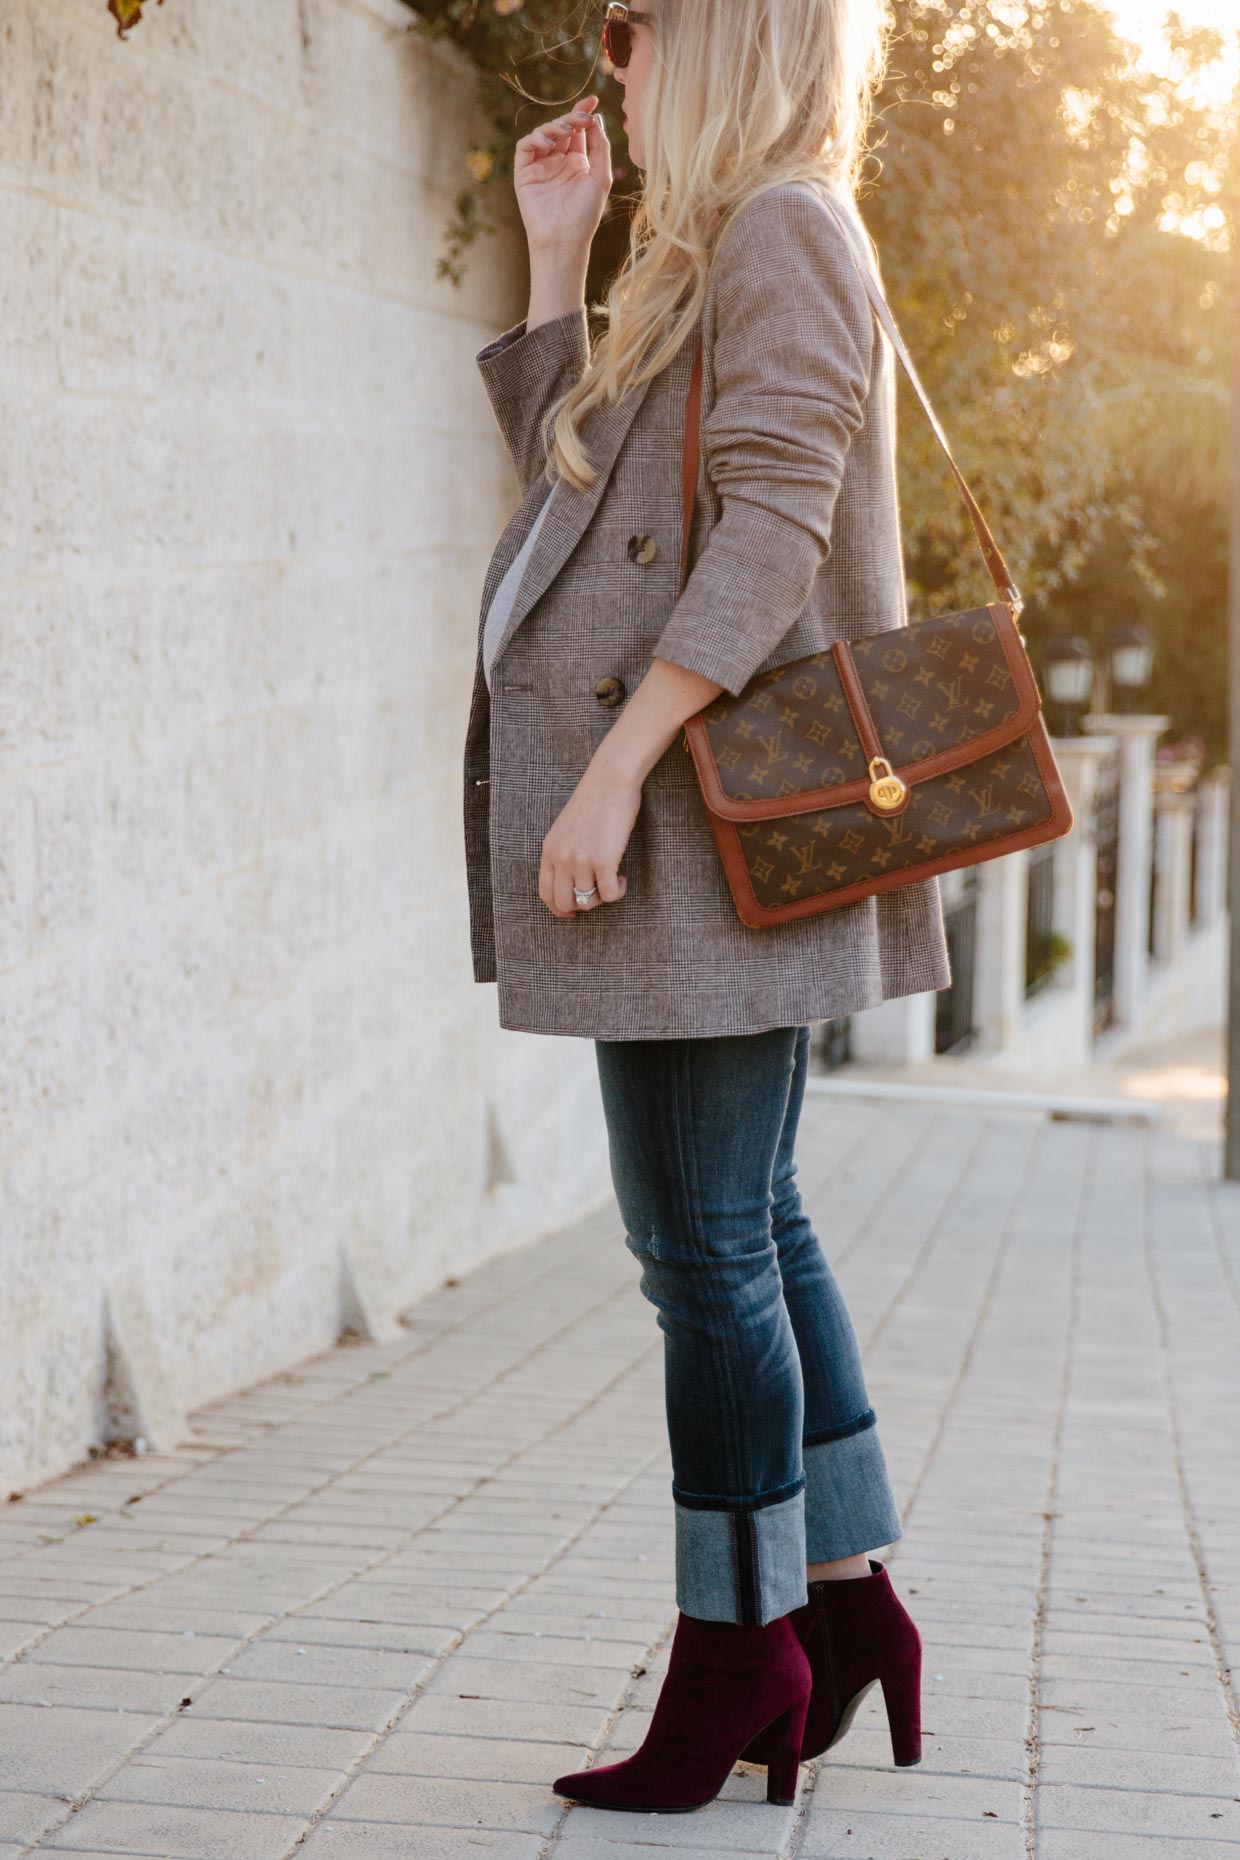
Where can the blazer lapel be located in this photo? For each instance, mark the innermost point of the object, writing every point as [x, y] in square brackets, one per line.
[602, 436]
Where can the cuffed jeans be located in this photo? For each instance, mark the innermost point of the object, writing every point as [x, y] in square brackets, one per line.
[776, 1459]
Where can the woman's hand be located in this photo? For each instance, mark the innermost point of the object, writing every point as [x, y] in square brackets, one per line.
[587, 839]
[588, 836]
[562, 174]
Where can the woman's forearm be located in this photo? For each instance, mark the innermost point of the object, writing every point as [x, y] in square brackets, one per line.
[651, 719]
[557, 283]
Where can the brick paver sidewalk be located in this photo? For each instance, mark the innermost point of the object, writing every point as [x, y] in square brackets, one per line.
[380, 1602]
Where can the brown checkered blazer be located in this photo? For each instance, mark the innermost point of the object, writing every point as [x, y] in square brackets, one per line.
[795, 543]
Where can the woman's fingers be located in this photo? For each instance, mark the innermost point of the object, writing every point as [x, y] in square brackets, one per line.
[548, 137]
[559, 882]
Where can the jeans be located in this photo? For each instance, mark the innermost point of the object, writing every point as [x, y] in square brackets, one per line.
[776, 1459]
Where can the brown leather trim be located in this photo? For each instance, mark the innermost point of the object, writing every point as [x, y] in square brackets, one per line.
[846, 666]
[759, 917]
[689, 461]
[812, 800]
[863, 723]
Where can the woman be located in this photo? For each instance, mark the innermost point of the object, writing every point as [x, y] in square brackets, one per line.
[746, 120]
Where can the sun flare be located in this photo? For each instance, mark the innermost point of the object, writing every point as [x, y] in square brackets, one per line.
[1142, 22]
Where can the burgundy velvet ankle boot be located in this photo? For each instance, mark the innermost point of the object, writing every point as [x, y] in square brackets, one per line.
[857, 1634]
[724, 1683]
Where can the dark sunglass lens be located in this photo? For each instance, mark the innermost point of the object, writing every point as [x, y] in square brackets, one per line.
[618, 42]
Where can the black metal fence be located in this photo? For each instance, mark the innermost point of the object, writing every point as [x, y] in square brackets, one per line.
[833, 1043]
[1041, 942]
[1106, 840]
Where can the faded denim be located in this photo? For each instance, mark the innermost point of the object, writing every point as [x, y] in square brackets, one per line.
[776, 1459]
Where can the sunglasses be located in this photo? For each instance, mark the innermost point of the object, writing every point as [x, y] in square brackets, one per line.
[618, 32]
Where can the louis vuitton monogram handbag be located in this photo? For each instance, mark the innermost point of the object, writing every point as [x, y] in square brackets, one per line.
[881, 761]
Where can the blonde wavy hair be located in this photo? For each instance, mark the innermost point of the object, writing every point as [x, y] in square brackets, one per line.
[742, 96]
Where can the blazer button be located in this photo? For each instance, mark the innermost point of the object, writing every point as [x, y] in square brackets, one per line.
[610, 691]
[643, 549]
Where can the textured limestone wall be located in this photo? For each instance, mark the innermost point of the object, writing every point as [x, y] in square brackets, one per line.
[248, 487]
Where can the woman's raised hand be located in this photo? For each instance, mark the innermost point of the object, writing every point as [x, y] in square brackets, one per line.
[562, 174]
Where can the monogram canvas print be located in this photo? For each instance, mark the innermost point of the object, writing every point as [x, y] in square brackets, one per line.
[948, 706]
[807, 854]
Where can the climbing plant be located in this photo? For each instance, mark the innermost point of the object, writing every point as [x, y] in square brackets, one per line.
[534, 58]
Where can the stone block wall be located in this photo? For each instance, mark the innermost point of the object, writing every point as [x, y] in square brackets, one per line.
[249, 483]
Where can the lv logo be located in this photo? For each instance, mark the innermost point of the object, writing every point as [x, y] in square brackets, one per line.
[771, 745]
[984, 798]
[954, 693]
[806, 856]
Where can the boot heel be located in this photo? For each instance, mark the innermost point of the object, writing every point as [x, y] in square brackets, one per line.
[902, 1697]
[781, 1773]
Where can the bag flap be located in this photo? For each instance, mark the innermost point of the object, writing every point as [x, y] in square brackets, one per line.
[941, 692]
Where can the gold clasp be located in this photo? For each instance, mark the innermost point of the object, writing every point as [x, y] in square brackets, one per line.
[887, 791]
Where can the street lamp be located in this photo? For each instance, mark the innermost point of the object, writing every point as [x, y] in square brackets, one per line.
[1069, 670]
[1130, 651]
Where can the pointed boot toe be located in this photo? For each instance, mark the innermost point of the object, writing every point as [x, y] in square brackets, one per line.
[586, 1786]
[724, 1683]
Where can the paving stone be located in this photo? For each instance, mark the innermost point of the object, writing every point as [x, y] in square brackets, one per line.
[484, 1759]
[307, 1665]
[113, 1648]
[458, 1717]
[194, 1782]
[1065, 1844]
[500, 1643]
[1132, 1769]
[216, 1740]
[150, 1612]
[573, 1846]
[25, 1817]
[846, 1834]
[430, 1801]
[14, 1635]
[93, 1686]
[348, 1708]
[532, 1682]
[410, 1604]
[177, 1833]
[918, 1792]
[1195, 1818]
[380, 1840]
[740, 1820]
[868, 1746]
[65, 1751]
[304, 1630]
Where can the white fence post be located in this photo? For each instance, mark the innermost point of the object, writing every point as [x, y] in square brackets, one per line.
[999, 998]
[1137, 737]
[1173, 846]
[1213, 801]
[1076, 880]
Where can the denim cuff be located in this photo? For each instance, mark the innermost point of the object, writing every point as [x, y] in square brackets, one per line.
[849, 1504]
[742, 1563]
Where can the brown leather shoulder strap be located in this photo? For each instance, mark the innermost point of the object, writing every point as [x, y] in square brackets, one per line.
[991, 553]
[689, 459]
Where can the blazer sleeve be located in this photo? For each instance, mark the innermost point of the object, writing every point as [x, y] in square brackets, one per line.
[793, 349]
[524, 371]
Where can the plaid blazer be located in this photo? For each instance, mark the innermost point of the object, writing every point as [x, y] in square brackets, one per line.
[795, 542]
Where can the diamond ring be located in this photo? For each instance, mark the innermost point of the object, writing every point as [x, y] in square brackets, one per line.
[583, 897]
